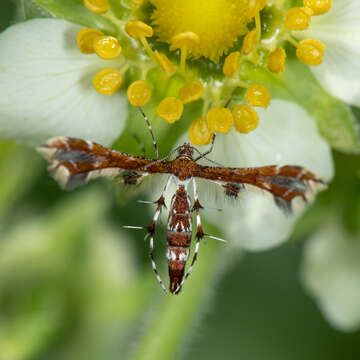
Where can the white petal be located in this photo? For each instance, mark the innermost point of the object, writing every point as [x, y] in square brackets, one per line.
[287, 135]
[46, 86]
[331, 273]
[339, 30]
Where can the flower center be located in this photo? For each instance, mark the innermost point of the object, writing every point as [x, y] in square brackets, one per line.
[218, 23]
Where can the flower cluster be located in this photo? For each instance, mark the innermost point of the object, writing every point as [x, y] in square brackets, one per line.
[213, 31]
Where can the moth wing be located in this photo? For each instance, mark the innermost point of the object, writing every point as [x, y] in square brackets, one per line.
[74, 162]
[288, 185]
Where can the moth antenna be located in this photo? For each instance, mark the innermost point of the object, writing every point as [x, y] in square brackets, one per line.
[151, 132]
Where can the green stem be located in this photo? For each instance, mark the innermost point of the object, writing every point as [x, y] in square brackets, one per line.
[174, 315]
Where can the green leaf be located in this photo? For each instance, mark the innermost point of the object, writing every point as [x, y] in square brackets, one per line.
[336, 121]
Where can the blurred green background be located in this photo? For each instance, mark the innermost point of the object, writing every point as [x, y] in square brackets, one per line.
[75, 285]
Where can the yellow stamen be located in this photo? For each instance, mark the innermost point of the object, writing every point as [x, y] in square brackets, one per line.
[184, 41]
[139, 30]
[199, 132]
[220, 119]
[170, 109]
[318, 6]
[231, 64]
[139, 93]
[164, 63]
[258, 95]
[254, 7]
[249, 42]
[137, 2]
[191, 92]
[85, 40]
[310, 52]
[107, 81]
[97, 6]
[276, 61]
[298, 18]
[107, 47]
[245, 117]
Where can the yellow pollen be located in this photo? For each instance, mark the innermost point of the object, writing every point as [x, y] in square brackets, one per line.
[85, 40]
[107, 47]
[254, 7]
[220, 119]
[298, 18]
[97, 6]
[249, 42]
[170, 109]
[217, 23]
[164, 62]
[107, 81]
[318, 6]
[231, 64]
[139, 93]
[191, 92]
[258, 95]
[199, 132]
[139, 30]
[137, 2]
[276, 61]
[245, 117]
[310, 52]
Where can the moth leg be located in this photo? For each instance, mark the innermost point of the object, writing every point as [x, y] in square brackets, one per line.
[208, 151]
[151, 232]
[199, 235]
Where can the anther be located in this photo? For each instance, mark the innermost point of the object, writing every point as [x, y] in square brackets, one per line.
[231, 64]
[170, 109]
[245, 117]
[164, 62]
[85, 40]
[200, 133]
[184, 41]
[249, 42]
[318, 6]
[254, 7]
[219, 119]
[107, 81]
[107, 47]
[139, 30]
[298, 18]
[258, 95]
[191, 92]
[310, 52]
[97, 6]
[276, 61]
[139, 93]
